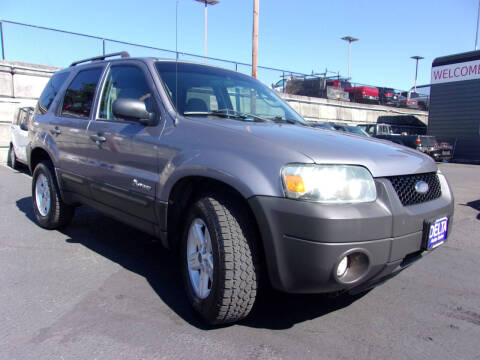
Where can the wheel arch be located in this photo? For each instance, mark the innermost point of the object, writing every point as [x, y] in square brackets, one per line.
[37, 155]
[186, 191]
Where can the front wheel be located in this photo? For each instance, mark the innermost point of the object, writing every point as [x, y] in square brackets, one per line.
[218, 260]
[50, 210]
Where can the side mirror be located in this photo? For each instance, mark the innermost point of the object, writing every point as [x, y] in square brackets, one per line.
[133, 109]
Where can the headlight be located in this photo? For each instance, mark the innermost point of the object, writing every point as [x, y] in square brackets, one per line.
[328, 183]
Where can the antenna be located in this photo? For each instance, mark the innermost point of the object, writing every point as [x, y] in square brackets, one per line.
[176, 63]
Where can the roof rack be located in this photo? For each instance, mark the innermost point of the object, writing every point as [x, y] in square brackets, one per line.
[123, 54]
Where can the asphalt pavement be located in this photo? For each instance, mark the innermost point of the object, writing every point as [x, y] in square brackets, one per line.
[102, 290]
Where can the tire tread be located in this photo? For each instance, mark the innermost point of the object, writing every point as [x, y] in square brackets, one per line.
[240, 284]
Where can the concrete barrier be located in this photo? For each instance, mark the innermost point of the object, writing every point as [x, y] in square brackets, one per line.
[318, 109]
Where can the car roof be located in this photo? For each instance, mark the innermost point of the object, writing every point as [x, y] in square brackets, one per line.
[144, 59]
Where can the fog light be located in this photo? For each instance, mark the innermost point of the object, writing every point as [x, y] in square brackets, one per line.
[342, 267]
[352, 267]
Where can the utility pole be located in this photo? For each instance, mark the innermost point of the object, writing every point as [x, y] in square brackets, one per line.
[350, 39]
[255, 38]
[416, 57]
[206, 2]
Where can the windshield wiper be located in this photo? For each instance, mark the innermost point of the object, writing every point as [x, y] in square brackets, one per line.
[278, 119]
[226, 113]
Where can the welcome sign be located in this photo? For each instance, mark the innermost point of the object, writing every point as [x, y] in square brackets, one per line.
[469, 70]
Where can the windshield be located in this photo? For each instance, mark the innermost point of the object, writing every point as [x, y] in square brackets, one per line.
[356, 130]
[208, 91]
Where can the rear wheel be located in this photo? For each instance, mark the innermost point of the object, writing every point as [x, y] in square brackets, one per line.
[50, 210]
[12, 158]
[218, 260]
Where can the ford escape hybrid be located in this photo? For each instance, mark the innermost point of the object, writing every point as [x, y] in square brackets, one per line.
[225, 173]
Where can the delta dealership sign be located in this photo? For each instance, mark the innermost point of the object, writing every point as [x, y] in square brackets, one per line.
[469, 70]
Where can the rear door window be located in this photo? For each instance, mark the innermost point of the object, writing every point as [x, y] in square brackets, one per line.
[50, 91]
[80, 94]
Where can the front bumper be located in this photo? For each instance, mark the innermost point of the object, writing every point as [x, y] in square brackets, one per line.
[304, 241]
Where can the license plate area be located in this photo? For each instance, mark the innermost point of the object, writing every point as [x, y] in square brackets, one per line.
[435, 233]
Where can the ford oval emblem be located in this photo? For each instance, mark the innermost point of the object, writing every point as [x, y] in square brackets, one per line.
[421, 187]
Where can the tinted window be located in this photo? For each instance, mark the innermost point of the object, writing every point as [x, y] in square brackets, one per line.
[80, 93]
[50, 91]
[124, 82]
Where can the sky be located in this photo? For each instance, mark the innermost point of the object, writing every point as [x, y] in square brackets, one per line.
[300, 36]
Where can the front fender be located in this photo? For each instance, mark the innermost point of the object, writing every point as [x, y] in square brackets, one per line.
[246, 177]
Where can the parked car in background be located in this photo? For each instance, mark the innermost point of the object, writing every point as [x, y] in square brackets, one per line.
[420, 94]
[339, 83]
[426, 144]
[376, 129]
[363, 93]
[315, 87]
[387, 96]
[351, 129]
[406, 101]
[17, 150]
[279, 86]
[397, 99]
[404, 124]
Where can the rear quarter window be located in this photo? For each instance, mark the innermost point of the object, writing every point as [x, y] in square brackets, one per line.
[50, 92]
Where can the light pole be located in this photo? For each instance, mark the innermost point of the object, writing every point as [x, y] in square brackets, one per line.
[207, 2]
[478, 17]
[416, 57]
[350, 39]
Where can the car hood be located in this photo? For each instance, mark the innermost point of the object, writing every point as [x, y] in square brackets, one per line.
[381, 157]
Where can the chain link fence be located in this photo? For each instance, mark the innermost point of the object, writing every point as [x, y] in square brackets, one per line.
[31, 43]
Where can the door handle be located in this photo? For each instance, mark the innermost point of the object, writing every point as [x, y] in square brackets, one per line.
[98, 138]
[56, 131]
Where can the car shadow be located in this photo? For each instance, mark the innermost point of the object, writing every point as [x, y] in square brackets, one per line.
[144, 255]
[21, 168]
[474, 205]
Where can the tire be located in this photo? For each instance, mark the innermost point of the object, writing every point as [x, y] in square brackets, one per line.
[12, 158]
[49, 209]
[233, 281]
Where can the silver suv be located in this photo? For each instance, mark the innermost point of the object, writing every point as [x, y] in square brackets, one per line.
[225, 173]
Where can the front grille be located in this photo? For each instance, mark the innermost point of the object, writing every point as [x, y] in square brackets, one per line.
[405, 187]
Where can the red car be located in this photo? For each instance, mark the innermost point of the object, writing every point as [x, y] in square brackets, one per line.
[363, 93]
[356, 93]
